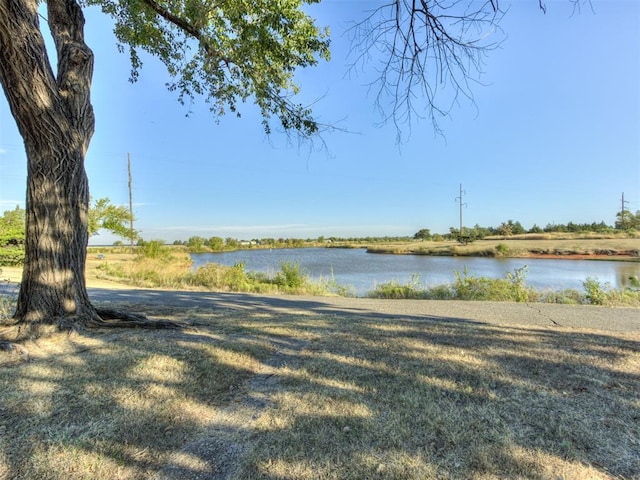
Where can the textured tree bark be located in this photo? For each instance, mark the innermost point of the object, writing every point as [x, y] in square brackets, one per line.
[56, 121]
[55, 118]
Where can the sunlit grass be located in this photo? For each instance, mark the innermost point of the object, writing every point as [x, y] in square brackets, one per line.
[173, 270]
[311, 396]
[564, 245]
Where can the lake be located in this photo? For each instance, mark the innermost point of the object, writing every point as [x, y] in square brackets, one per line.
[363, 271]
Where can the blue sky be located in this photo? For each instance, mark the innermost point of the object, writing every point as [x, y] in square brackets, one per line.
[553, 137]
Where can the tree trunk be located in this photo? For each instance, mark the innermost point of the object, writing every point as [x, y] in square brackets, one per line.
[53, 283]
[55, 118]
[56, 121]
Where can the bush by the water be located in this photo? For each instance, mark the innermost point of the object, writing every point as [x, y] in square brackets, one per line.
[597, 293]
[159, 266]
[465, 287]
[512, 289]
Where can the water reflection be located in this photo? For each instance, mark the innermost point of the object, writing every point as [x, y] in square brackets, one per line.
[363, 271]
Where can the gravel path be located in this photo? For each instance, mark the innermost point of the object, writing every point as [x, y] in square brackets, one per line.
[499, 313]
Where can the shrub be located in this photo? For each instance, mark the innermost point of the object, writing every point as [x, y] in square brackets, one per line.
[235, 278]
[602, 294]
[153, 249]
[518, 289]
[502, 249]
[566, 297]
[440, 292]
[209, 276]
[290, 276]
[397, 291]
[470, 287]
[595, 293]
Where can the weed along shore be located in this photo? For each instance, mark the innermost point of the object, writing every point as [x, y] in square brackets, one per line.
[159, 266]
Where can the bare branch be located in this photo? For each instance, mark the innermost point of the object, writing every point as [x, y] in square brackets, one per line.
[431, 50]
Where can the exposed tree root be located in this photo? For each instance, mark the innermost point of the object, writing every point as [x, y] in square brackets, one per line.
[97, 318]
[120, 319]
[113, 318]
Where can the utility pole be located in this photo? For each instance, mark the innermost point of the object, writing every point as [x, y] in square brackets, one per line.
[130, 202]
[459, 199]
[622, 212]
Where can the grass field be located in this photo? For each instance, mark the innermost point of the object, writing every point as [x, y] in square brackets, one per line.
[261, 395]
[566, 246]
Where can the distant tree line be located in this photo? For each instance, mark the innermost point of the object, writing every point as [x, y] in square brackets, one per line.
[626, 222]
[198, 244]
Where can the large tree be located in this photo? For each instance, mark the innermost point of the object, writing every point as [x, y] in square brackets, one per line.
[227, 52]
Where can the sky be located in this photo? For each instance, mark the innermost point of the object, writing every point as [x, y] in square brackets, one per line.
[552, 136]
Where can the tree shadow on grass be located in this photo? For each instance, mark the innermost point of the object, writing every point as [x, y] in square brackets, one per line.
[448, 398]
[260, 392]
[115, 404]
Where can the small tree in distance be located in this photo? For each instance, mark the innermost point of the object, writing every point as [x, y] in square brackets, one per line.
[216, 244]
[422, 234]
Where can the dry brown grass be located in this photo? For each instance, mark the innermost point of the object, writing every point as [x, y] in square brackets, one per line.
[257, 394]
[521, 246]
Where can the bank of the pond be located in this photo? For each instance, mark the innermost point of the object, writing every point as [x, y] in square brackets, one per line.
[608, 249]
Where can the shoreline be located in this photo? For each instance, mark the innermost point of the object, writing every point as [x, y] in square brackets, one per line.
[616, 257]
[13, 274]
[624, 250]
[613, 257]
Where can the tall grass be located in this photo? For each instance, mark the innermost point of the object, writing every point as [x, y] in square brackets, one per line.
[158, 266]
[154, 265]
[512, 288]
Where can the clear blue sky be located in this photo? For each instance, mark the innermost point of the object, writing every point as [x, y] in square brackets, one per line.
[553, 137]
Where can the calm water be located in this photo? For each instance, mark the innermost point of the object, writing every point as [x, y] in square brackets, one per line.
[363, 271]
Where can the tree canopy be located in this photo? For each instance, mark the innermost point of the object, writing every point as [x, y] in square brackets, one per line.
[228, 52]
[12, 231]
[103, 215]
